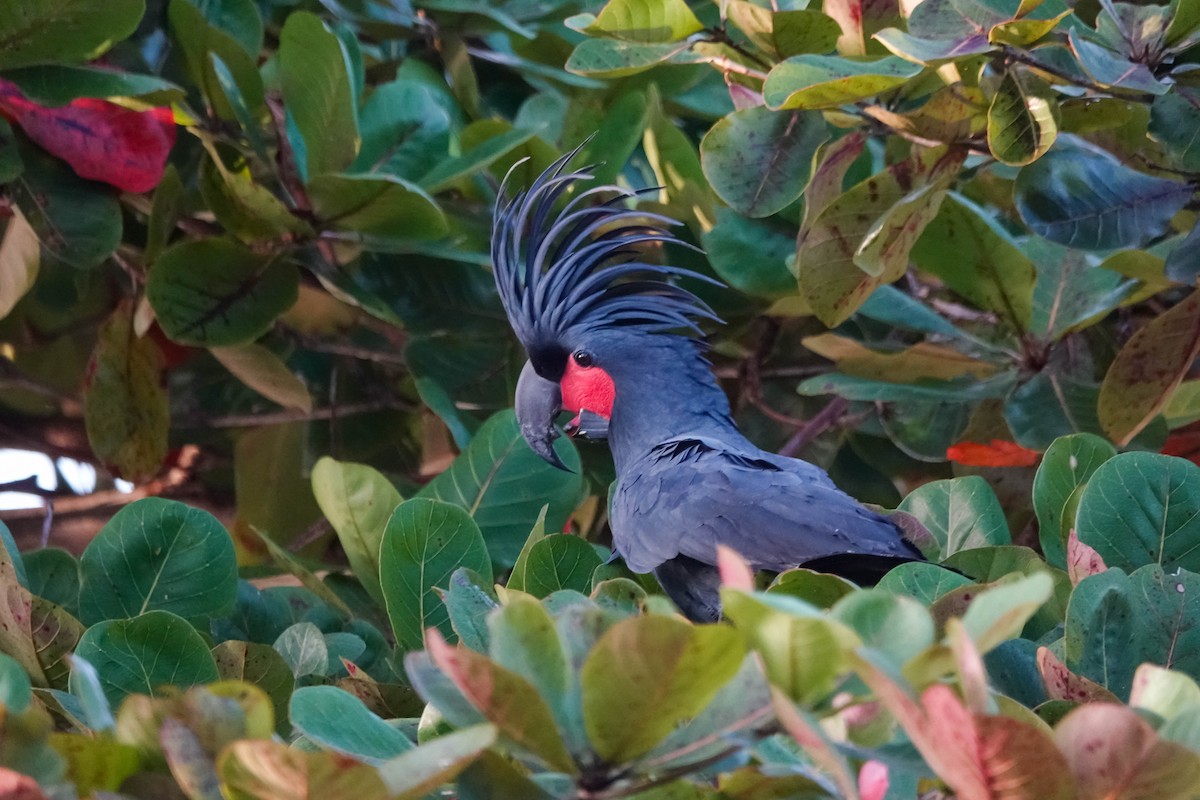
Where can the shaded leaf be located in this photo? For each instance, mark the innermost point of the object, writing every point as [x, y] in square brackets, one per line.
[758, 160]
[68, 31]
[338, 721]
[20, 258]
[265, 373]
[216, 293]
[1067, 465]
[1148, 369]
[1087, 199]
[503, 484]
[316, 87]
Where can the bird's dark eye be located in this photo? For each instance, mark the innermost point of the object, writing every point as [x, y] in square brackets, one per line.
[583, 358]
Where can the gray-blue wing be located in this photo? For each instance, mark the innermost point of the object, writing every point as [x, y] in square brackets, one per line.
[691, 493]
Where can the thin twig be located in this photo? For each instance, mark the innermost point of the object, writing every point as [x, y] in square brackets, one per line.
[818, 424]
[1028, 60]
[283, 417]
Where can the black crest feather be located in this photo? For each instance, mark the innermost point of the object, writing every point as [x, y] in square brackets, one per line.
[579, 269]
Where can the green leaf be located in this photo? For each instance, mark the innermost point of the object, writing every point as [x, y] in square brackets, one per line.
[469, 601]
[853, 387]
[524, 641]
[405, 127]
[967, 249]
[217, 293]
[340, 722]
[144, 654]
[417, 773]
[76, 221]
[1110, 68]
[560, 562]
[246, 209]
[932, 52]
[998, 614]
[260, 665]
[646, 20]
[1050, 405]
[125, 400]
[1071, 292]
[892, 624]
[961, 513]
[921, 580]
[357, 500]
[424, 542]
[758, 161]
[1100, 640]
[801, 649]
[53, 574]
[16, 693]
[750, 256]
[316, 87]
[815, 588]
[304, 649]
[611, 58]
[451, 170]
[506, 699]
[1174, 119]
[803, 30]
[648, 674]
[265, 373]
[260, 769]
[817, 81]
[1022, 120]
[502, 485]
[72, 30]
[376, 206]
[1148, 369]
[158, 554]
[1143, 508]
[1117, 621]
[1066, 465]
[204, 45]
[59, 84]
[1087, 199]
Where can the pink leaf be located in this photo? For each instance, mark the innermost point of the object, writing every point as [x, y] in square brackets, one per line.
[873, 780]
[102, 141]
[735, 572]
[1082, 559]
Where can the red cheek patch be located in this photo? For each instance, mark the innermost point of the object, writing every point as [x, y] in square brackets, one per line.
[588, 388]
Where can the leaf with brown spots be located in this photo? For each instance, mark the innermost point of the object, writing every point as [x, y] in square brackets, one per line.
[1115, 755]
[1082, 559]
[1148, 369]
[1062, 684]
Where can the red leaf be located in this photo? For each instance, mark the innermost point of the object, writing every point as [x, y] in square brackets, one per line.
[1184, 443]
[102, 141]
[997, 453]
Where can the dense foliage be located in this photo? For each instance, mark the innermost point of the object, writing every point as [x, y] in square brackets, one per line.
[246, 238]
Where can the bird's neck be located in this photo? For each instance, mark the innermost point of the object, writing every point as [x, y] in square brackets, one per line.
[671, 393]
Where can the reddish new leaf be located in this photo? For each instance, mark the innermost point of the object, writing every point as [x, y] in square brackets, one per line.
[996, 453]
[1062, 684]
[102, 141]
[1082, 559]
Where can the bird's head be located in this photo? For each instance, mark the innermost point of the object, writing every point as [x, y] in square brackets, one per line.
[570, 267]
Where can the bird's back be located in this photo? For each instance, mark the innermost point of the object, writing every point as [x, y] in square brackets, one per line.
[690, 493]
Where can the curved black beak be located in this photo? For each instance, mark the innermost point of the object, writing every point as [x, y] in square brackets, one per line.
[538, 403]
